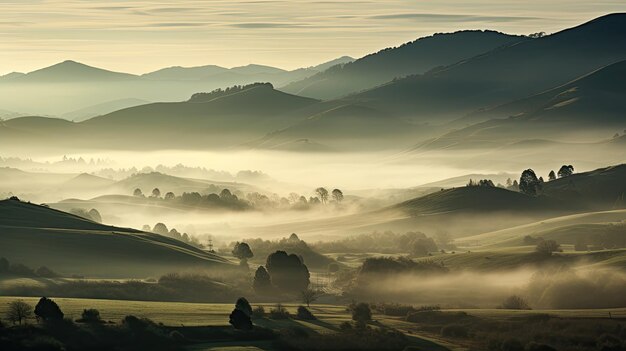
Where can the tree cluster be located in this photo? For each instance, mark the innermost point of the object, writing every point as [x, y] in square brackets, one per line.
[283, 272]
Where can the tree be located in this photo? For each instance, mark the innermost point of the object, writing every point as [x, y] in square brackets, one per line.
[566, 171]
[240, 317]
[322, 193]
[19, 311]
[287, 272]
[551, 176]
[509, 182]
[337, 195]
[261, 282]
[138, 193]
[95, 215]
[547, 247]
[160, 228]
[91, 315]
[529, 183]
[48, 311]
[169, 196]
[422, 246]
[515, 302]
[156, 192]
[243, 305]
[361, 313]
[309, 296]
[243, 252]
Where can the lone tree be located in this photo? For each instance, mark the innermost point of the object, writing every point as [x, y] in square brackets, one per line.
[309, 296]
[156, 192]
[529, 184]
[19, 311]
[322, 193]
[551, 175]
[515, 302]
[138, 193]
[361, 313]
[240, 317]
[337, 195]
[261, 283]
[287, 272]
[566, 171]
[160, 228]
[95, 215]
[243, 252]
[547, 247]
[48, 311]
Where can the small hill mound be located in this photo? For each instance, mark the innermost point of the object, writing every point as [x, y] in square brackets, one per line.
[87, 181]
[471, 199]
[40, 236]
[602, 188]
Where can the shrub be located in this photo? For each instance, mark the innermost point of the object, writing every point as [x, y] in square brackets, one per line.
[91, 315]
[362, 312]
[48, 310]
[304, 313]
[258, 312]
[454, 331]
[515, 302]
[279, 312]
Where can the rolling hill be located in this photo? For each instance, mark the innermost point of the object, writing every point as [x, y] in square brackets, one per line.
[415, 57]
[70, 71]
[40, 236]
[504, 74]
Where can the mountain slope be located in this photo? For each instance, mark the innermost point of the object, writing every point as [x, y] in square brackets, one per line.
[71, 71]
[101, 109]
[415, 57]
[506, 73]
[70, 244]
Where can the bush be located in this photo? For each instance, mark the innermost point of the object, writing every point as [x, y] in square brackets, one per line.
[48, 310]
[515, 302]
[362, 312]
[279, 312]
[258, 312]
[305, 314]
[91, 315]
[454, 331]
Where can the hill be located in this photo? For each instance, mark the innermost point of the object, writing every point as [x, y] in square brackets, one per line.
[40, 236]
[165, 183]
[415, 57]
[102, 109]
[488, 79]
[71, 71]
[473, 199]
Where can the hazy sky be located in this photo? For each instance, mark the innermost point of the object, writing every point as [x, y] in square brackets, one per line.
[139, 36]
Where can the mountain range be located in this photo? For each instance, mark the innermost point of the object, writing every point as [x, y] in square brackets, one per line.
[464, 89]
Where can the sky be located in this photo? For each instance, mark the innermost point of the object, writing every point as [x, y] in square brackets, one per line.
[142, 36]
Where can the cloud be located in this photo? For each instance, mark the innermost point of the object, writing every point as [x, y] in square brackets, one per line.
[452, 17]
[261, 25]
[178, 24]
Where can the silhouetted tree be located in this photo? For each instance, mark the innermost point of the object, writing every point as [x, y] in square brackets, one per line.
[308, 296]
[261, 282]
[509, 182]
[287, 272]
[18, 311]
[361, 312]
[95, 215]
[337, 195]
[240, 317]
[551, 176]
[156, 192]
[169, 196]
[547, 247]
[160, 228]
[138, 193]
[243, 252]
[529, 183]
[48, 311]
[322, 193]
[566, 171]
[91, 315]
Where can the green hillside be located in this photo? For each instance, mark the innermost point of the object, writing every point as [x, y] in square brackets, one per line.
[40, 236]
[489, 79]
[415, 57]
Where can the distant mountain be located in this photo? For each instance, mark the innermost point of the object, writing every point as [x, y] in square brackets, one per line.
[71, 71]
[461, 181]
[594, 102]
[40, 236]
[505, 73]
[166, 183]
[415, 57]
[68, 86]
[102, 109]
